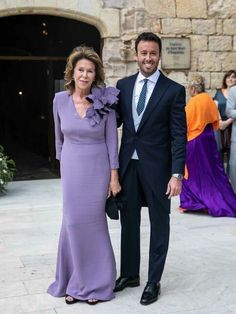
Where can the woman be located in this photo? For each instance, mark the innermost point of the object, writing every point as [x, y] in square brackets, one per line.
[206, 186]
[231, 112]
[224, 134]
[86, 145]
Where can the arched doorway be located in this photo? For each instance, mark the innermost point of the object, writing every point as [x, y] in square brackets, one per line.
[33, 51]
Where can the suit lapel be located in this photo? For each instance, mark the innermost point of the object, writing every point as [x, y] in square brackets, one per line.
[129, 100]
[158, 91]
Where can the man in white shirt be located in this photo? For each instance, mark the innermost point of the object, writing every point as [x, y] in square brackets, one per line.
[152, 158]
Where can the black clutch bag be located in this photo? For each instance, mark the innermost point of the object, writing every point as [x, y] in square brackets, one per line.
[113, 205]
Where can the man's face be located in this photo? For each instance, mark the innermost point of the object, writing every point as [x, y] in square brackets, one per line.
[148, 57]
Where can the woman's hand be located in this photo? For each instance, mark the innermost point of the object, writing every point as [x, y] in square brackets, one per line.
[226, 123]
[114, 186]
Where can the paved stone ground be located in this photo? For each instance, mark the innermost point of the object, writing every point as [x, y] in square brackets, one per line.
[199, 278]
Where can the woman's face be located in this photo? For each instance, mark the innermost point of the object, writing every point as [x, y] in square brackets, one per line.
[191, 90]
[230, 80]
[84, 74]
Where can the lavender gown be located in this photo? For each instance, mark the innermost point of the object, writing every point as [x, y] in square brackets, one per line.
[207, 187]
[85, 262]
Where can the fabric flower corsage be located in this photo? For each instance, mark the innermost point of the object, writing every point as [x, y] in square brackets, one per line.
[103, 100]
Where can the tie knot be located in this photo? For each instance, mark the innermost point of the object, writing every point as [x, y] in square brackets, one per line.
[145, 81]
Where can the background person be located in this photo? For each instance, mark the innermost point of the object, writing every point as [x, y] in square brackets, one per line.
[231, 113]
[223, 135]
[207, 187]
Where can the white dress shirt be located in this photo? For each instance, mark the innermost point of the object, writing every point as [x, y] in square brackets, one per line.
[152, 80]
[150, 86]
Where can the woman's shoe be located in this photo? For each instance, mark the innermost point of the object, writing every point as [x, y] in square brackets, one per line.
[70, 300]
[92, 301]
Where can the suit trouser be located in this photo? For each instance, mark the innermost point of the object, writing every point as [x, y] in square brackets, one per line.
[134, 188]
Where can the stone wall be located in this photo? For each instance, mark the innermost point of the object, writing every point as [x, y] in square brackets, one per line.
[210, 25]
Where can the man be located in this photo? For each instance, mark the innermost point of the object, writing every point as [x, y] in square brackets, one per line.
[152, 157]
[231, 113]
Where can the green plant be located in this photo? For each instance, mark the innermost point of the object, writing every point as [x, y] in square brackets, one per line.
[7, 170]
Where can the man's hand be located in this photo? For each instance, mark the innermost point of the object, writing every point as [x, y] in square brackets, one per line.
[174, 187]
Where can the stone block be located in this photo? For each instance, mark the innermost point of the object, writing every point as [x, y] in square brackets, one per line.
[229, 27]
[176, 26]
[145, 22]
[142, 21]
[209, 61]
[221, 9]
[108, 69]
[191, 9]
[228, 61]
[203, 27]
[220, 43]
[111, 21]
[155, 26]
[120, 4]
[91, 7]
[219, 26]
[194, 60]
[216, 80]
[111, 81]
[128, 54]
[131, 68]
[120, 69]
[127, 21]
[112, 50]
[199, 43]
[179, 77]
[24, 3]
[3, 5]
[161, 8]
[43, 3]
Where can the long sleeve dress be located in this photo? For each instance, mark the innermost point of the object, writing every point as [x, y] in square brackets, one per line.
[85, 262]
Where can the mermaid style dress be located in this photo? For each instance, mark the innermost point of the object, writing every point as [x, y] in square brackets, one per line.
[85, 262]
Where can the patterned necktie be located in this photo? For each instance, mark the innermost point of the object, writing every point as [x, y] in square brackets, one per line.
[142, 98]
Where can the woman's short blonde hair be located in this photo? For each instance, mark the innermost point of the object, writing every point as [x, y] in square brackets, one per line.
[79, 53]
[198, 82]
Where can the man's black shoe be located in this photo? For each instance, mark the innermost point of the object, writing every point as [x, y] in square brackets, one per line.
[150, 293]
[123, 282]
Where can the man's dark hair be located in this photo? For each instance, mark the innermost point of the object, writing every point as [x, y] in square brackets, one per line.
[148, 36]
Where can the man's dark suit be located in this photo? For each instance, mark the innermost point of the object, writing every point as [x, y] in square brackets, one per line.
[160, 142]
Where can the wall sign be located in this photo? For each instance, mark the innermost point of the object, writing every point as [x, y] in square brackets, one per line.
[175, 53]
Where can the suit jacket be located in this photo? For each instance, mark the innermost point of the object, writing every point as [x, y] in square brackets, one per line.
[160, 140]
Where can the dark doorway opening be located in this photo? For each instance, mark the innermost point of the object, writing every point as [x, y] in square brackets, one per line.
[33, 51]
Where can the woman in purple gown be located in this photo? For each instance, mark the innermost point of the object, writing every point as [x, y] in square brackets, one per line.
[86, 145]
[206, 186]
